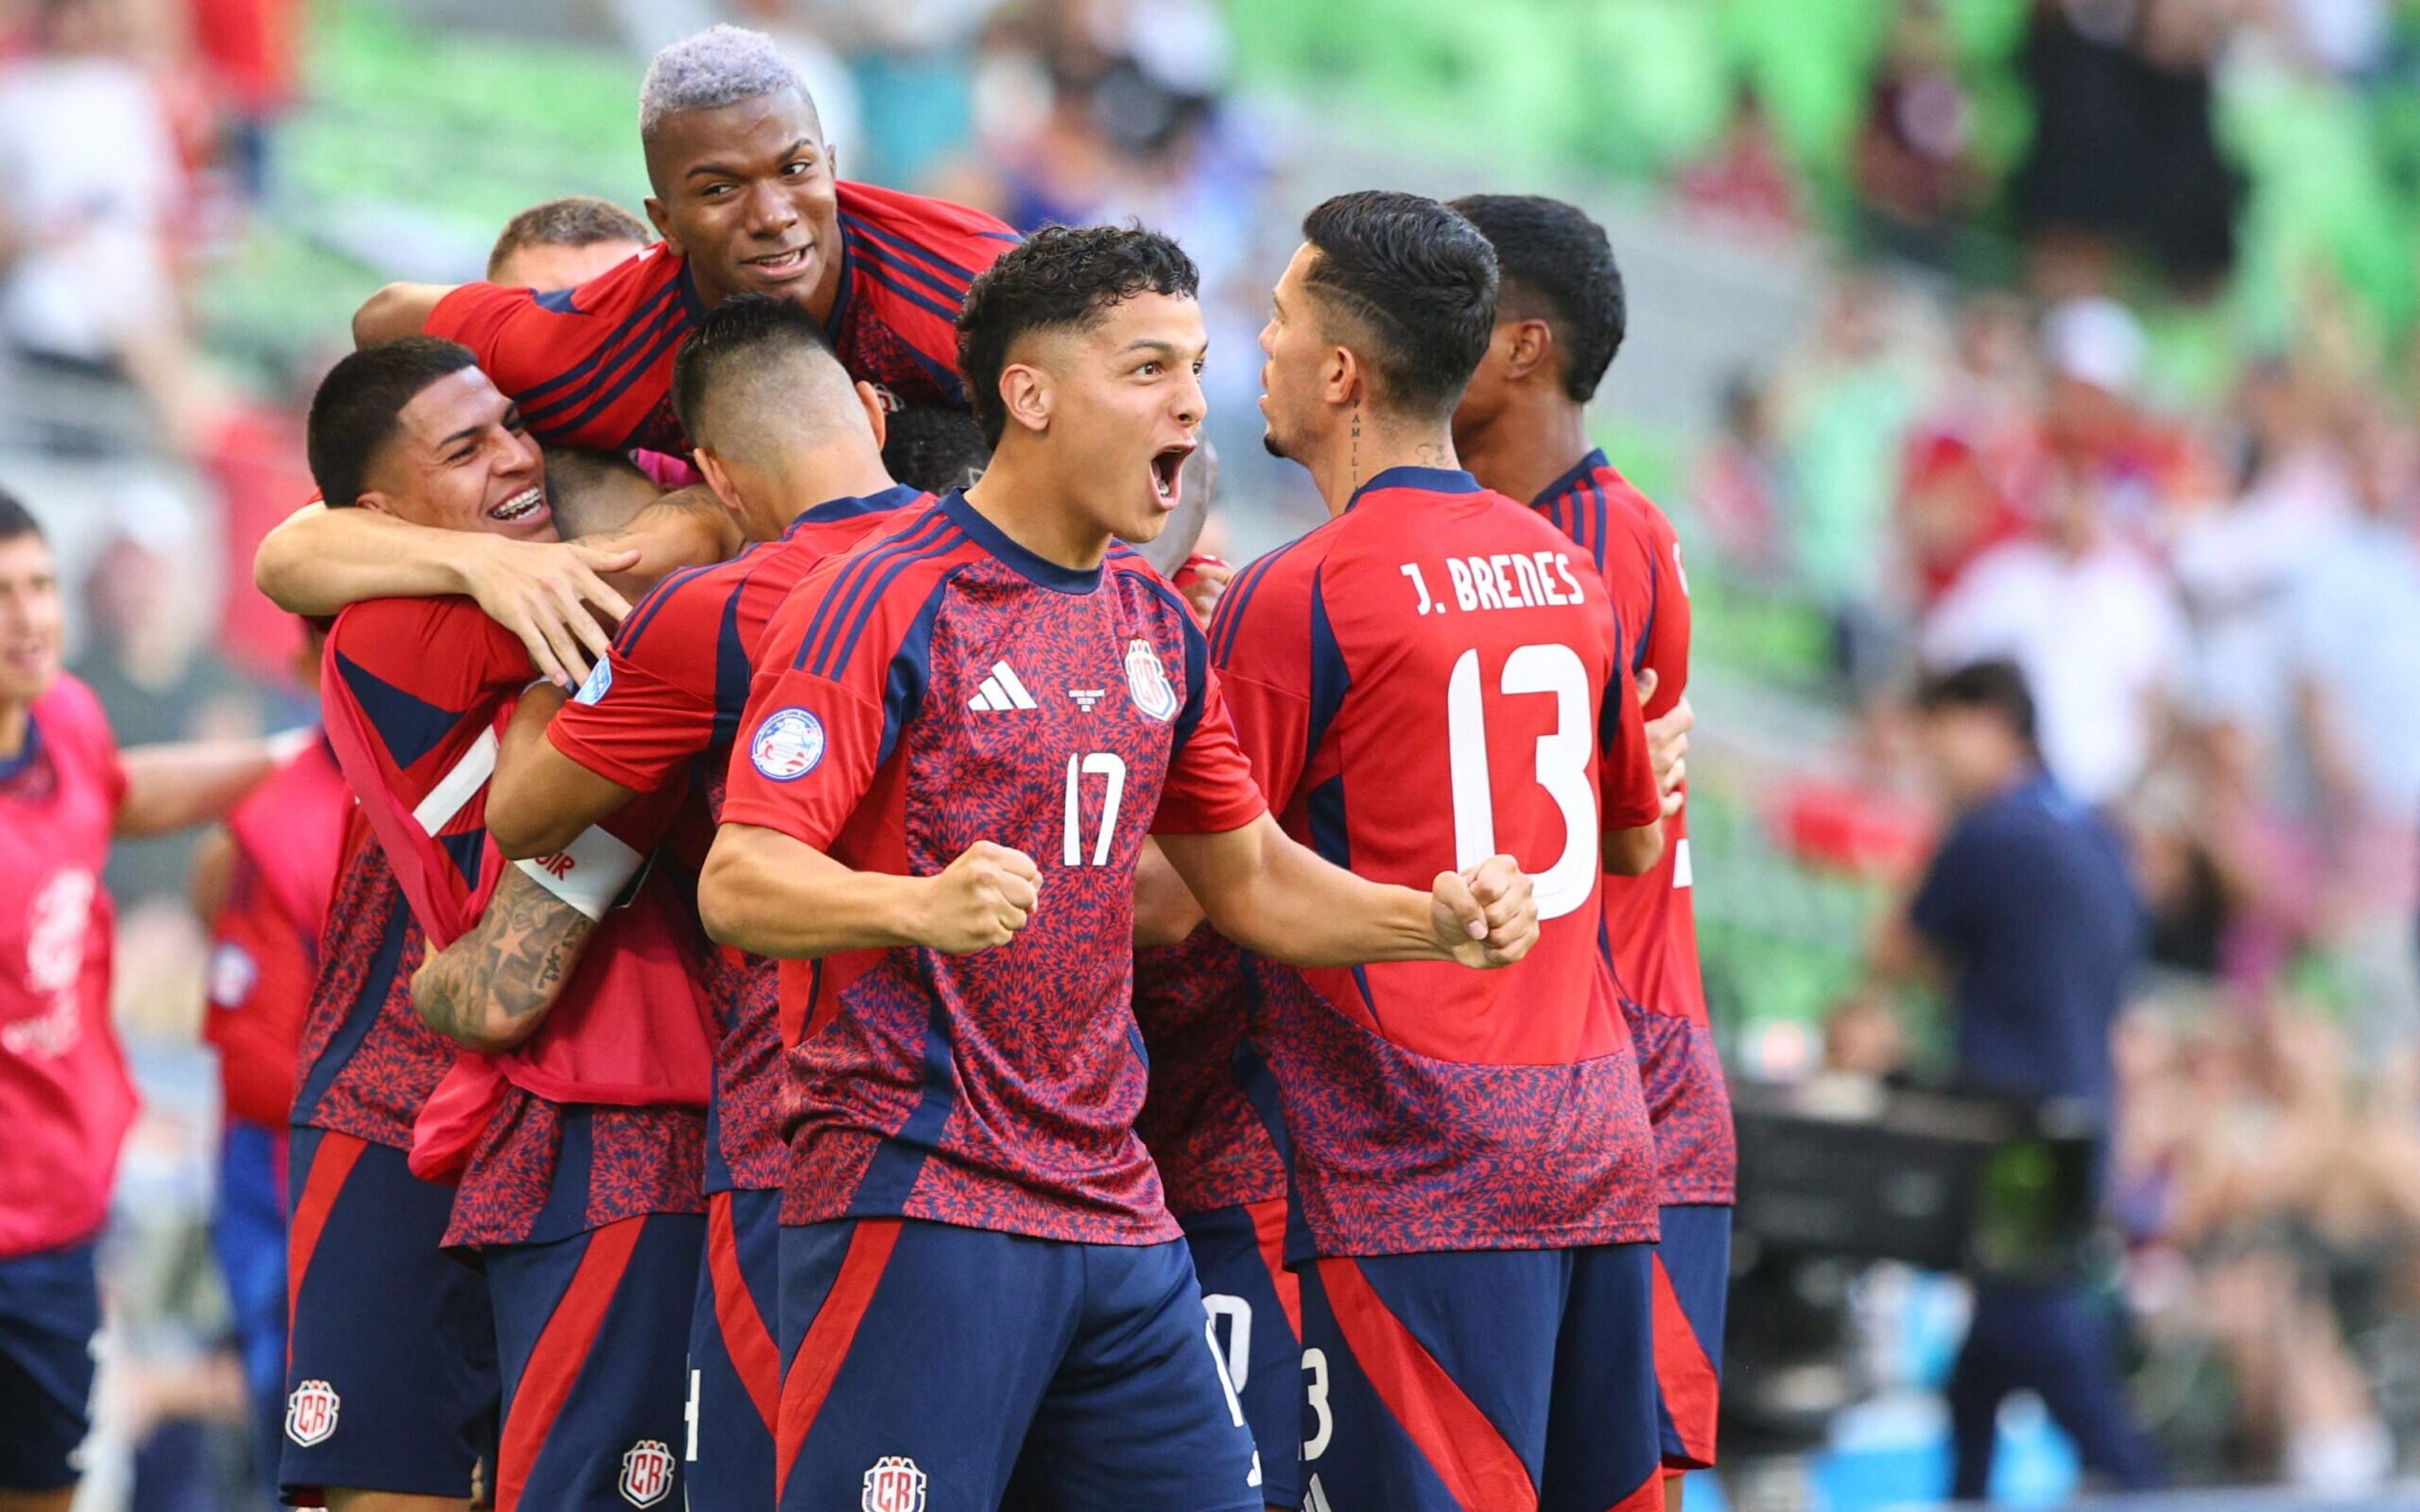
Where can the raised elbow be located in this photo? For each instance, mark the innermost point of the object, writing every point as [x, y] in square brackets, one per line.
[382, 315]
[718, 905]
[1630, 853]
[521, 829]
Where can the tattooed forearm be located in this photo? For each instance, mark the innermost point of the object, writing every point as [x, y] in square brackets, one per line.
[491, 989]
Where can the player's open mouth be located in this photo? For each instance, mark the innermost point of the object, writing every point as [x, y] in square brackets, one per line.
[1167, 473]
[519, 507]
[781, 265]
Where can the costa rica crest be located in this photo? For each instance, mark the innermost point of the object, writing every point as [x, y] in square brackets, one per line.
[1147, 681]
[893, 1485]
[646, 1473]
[311, 1413]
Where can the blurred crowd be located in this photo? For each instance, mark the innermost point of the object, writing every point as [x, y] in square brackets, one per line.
[2202, 547]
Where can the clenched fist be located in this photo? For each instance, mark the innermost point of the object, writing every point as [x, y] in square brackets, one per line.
[981, 899]
[1485, 916]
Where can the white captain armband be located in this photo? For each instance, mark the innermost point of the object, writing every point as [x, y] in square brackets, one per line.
[588, 874]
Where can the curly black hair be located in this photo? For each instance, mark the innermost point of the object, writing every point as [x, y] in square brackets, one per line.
[1065, 278]
[934, 447]
[16, 520]
[1416, 282]
[1557, 265]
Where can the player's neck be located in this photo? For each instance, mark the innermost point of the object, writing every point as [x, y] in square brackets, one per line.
[1368, 445]
[1029, 505]
[16, 724]
[1521, 451]
[827, 473]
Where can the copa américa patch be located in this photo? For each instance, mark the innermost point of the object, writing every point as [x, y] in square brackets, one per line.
[599, 682]
[788, 745]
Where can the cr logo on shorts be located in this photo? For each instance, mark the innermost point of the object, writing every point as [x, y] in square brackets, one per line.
[646, 1473]
[311, 1413]
[788, 745]
[893, 1485]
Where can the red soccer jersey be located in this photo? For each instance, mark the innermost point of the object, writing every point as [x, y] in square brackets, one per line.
[290, 836]
[64, 1097]
[367, 1062]
[592, 365]
[936, 686]
[1194, 1001]
[415, 690]
[1429, 679]
[1651, 921]
[661, 707]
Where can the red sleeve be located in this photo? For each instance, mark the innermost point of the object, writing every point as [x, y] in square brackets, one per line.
[1627, 778]
[650, 707]
[1260, 650]
[443, 651]
[1209, 788]
[498, 324]
[1668, 632]
[808, 745]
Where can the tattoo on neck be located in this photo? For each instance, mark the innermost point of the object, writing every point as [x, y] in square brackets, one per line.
[1431, 453]
[1354, 461]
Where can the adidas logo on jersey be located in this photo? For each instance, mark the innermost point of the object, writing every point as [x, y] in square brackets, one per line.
[1000, 691]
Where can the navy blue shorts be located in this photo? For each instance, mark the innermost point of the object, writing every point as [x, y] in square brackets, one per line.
[591, 1334]
[391, 1349]
[248, 1236]
[49, 1309]
[735, 1356]
[922, 1360]
[1492, 1381]
[1255, 1307]
[1693, 1279]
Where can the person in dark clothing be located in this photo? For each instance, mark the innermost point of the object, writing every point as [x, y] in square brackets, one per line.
[2028, 913]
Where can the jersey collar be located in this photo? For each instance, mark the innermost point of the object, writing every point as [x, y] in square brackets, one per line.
[1040, 570]
[13, 767]
[898, 496]
[1427, 480]
[1570, 482]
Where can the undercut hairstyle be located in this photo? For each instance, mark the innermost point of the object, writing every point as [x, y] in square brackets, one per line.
[707, 70]
[1412, 288]
[758, 371]
[1063, 279]
[17, 521]
[353, 415]
[573, 221]
[1996, 686]
[934, 447]
[1554, 263]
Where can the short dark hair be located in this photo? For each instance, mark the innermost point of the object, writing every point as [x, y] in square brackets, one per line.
[1556, 264]
[353, 415]
[17, 521]
[1994, 686]
[934, 447]
[740, 335]
[1061, 278]
[1417, 281]
[573, 221]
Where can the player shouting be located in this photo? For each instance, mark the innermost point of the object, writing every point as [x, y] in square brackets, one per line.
[1432, 676]
[747, 197]
[959, 734]
[1522, 428]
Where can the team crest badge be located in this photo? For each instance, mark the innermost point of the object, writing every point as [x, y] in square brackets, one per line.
[788, 745]
[1148, 681]
[599, 682]
[311, 1413]
[893, 1485]
[646, 1473]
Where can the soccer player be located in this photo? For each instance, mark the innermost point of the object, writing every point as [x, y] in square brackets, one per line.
[64, 1097]
[746, 197]
[1432, 676]
[1522, 429]
[560, 243]
[958, 737]
[794, 449]
[392, 1384]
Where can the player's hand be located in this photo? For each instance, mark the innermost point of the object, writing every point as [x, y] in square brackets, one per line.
[1485, 916]
[1202, 579]
[981, 899]
[1667, 745]
[550, 595]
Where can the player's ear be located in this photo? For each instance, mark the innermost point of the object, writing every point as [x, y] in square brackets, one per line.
[1024, 394]
[876, 415]
[718, 478]
[1530, 347]
[1342, 381]
[661, 218]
